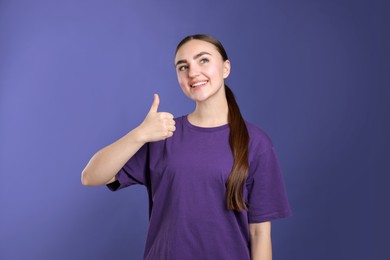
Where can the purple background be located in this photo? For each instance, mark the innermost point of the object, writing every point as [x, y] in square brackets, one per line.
[77, 75]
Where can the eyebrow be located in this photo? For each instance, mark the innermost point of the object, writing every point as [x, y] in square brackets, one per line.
[195, 57]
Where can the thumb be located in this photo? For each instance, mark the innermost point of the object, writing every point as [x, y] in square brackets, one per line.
[155, 104]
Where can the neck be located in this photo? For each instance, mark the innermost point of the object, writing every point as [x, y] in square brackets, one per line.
[210, 113]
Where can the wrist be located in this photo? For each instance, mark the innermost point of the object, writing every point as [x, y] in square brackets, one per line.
[138, 135]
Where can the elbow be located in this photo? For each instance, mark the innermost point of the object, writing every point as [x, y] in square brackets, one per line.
[84, 178]
[89, 178]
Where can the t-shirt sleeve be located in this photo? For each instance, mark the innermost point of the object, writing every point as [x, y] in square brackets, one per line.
[133, 172]
[267, 197]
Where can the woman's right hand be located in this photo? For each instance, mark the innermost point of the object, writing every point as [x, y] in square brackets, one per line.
[106, 163]
[156, 126]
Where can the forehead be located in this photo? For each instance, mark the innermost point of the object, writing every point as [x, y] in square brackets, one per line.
[188, 50]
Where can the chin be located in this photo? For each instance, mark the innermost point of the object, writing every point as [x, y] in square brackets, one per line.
[200, 98]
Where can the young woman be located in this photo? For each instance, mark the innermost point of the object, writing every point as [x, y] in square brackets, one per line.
[213, 180]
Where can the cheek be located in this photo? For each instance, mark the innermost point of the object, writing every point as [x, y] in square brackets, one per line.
[217, 74]
[216, 71]
[182, 82]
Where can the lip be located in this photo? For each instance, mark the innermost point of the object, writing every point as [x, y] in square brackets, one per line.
[199, 83]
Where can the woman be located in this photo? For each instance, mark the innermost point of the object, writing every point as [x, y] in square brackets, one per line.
[213, 180]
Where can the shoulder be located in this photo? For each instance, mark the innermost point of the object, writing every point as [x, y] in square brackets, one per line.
[180, 120]
[259, 140]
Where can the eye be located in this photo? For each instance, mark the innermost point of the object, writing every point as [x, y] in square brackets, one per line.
[183, 68]
[204, 60]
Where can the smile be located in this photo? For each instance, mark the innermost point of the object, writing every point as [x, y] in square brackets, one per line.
[199, 84]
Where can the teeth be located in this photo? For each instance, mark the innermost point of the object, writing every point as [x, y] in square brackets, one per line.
[198, 84]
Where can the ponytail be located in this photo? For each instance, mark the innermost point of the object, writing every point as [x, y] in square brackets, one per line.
[238, 140]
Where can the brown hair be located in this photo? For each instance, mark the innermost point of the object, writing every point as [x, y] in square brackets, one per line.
[238, 138]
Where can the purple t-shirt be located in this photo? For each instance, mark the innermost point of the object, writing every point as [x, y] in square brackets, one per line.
[186, 176]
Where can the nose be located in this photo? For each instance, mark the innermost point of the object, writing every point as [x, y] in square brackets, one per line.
[193, 71]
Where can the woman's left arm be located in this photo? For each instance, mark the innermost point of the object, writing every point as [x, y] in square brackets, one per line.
[260, 239]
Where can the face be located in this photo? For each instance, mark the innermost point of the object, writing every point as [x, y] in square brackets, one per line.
[201, 70]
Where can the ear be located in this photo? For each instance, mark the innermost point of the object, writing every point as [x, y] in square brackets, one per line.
[226, 68]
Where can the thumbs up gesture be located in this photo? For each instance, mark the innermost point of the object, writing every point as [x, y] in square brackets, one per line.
[157, 126]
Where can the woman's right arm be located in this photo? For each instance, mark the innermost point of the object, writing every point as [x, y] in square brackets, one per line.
[106, 163]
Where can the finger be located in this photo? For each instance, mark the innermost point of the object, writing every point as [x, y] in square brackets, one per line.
[167, 115]
[168, 121]
[155, 104]
[172, 128]
[170, 134]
